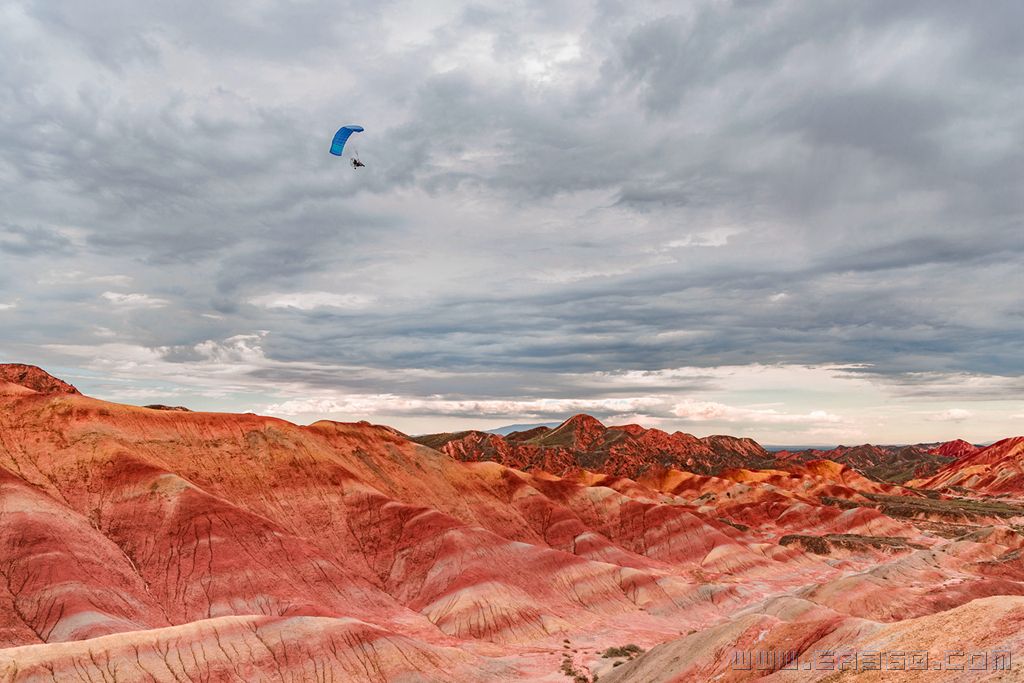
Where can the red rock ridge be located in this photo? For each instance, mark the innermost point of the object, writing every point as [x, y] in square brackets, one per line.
[584, 442]
[958, 448]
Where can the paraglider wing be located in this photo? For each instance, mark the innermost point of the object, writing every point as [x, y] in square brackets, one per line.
[338, 144]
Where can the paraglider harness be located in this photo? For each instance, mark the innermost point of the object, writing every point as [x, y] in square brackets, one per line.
[356, 163]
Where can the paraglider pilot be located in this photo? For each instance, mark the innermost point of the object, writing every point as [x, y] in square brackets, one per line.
[338, 143]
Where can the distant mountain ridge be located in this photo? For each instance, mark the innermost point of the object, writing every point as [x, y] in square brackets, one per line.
[509, 429]
[895, 464]
[583, 442]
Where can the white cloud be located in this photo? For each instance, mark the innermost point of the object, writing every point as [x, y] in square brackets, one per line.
[711, 238]
[210, 368]
[56, 277]
[951, 415]
[711, 411]
[547, 62]
[390, 404]
[755, 376]
[577, 274]
[307, 301]
[8, 306]
[134, 300]
[239, 349]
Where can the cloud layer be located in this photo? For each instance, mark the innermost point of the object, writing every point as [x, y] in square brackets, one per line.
[673, 213]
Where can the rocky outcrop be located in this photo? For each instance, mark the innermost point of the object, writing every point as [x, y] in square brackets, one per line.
[36, 379]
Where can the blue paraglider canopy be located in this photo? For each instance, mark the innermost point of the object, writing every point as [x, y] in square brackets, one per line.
[338, 144]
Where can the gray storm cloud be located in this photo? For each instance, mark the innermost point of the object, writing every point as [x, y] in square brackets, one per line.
[554, 191]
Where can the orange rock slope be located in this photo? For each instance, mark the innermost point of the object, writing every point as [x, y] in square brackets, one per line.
[145, 544]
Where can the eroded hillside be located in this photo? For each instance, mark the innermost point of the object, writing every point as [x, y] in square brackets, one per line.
[146, 544]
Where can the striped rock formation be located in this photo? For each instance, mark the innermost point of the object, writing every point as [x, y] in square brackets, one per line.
[148, 544]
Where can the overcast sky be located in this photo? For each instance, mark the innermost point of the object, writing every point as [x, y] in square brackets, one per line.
[798, 221]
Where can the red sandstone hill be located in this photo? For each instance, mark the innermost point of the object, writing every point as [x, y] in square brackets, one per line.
[958, 448]
[994, 470]
[143, 544]
[583, 442]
